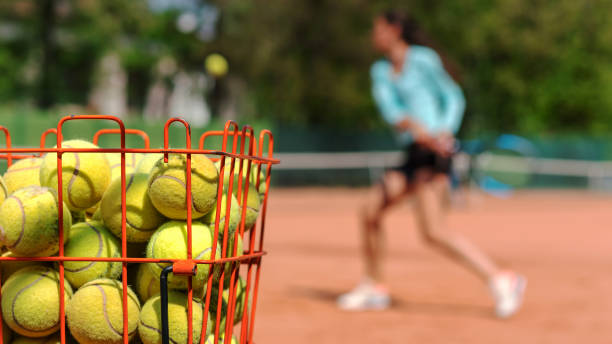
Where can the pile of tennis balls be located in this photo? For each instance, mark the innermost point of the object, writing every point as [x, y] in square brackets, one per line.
[155, 226]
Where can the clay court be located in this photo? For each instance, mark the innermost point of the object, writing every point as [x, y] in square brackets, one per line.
[559, 239]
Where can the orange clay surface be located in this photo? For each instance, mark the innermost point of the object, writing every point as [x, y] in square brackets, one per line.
[561, 240]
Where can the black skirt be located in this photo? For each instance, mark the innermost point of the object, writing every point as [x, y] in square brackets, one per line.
[418, 157]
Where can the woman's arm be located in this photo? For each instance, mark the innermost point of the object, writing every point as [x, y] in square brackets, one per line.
[451, 96]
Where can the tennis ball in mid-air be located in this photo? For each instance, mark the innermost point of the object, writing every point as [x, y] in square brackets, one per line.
[52, 339]
[149, 327]
[147, 283]
[216, 65]
[91, 239]
[85, 176]
[31, 303]
[234, 218]
[95, 313]
[168, 190]
[142, 218]
[170, 242]
[147, 162]
[29, 222]
[22, 173]
[131, 163]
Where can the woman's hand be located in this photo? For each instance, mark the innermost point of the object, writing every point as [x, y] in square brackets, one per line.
[445, 144]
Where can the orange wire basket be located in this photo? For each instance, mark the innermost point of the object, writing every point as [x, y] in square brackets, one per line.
[243, 150]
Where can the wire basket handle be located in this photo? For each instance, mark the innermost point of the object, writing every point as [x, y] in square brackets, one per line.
[137, 132]
[61, 220]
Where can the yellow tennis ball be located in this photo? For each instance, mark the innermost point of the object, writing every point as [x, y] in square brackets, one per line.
[229, 267]
[85, 176]
[170, 242]
[10, 267]
[131, 163]
[252, 207]
[216, 65]
[167, 186]
[234, 218]
[147, 283]
[97, 215]
[22, 173]
[29, 222]
[147, 162]
[30, 301]
[142, 218]
[91, 239]
[149, 327]
[52, 339]
[239, 298]
[3, 191]
[252, 175]
[95, 313]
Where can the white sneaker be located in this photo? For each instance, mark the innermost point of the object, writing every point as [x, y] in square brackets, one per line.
[508, 289]
[366, 296]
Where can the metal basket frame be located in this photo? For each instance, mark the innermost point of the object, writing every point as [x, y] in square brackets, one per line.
[253, 155]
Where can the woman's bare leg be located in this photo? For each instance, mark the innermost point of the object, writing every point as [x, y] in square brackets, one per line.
[430, 214]
[392, 189]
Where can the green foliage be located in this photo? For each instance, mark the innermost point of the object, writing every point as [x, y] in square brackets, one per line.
[526, 66]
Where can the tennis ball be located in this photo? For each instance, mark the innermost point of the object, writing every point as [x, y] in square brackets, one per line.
[252, 175]
[147, 162]
[29, 222]
[97, 215]
[142, 219]
[149, 327]
[91, 239]
[3, 191]
[234, 218]
[22, 173]
[85, 176]
[131, 163]
[95, 313]
[167, 188]
[211, 339]
[52, 339]
[147, 283]
[216, 65]
[230, 253]
[252, 207]
[170, 242]
[30, 301]
[240, 293]
[10, 267]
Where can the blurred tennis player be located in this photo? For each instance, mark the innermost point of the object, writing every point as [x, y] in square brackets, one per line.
[424, 105]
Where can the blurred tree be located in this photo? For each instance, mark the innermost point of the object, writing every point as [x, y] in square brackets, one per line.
[528, 66]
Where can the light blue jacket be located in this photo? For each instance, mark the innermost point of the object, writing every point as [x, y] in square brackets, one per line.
[423, 91]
